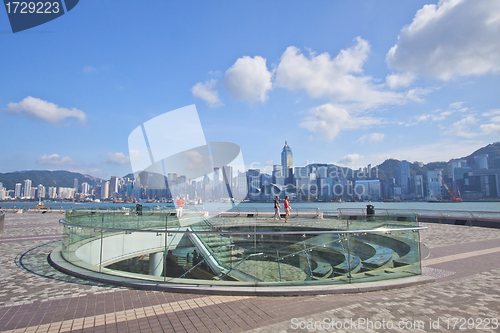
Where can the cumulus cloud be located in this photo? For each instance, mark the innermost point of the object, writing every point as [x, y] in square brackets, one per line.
[490, 128]
[493, 127]
[116, 158]
[340, 79]
[55, 159]
[395, 81]
[372, 137]
[206, 91]
[43, 110]
[463, 127]
[451, 39]
[248, 79]
[195, 160]
[329, 120]
[350, 159]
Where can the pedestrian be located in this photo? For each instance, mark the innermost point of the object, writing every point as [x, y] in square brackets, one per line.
[286, 204]
[277, 208]
[180, 203]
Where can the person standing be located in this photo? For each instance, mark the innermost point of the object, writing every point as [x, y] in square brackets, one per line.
[277, 207]
[286, 204]
[180, 203]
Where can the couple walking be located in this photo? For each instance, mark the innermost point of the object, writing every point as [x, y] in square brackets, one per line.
[277, 206]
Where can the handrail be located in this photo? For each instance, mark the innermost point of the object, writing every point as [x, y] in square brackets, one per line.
[417, 211]
[306, 232]
[2, 218]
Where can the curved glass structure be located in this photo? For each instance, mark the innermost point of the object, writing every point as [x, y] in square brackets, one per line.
[245, 251]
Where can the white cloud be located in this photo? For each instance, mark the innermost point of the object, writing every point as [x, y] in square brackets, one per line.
[55, 159]
[494, 125]
[439, 114]
[117, 158]
[490, 128]
[453, 38]
[395, 81]
[463, 127]
[206, 91]
[339, 79]
[195, 160]
[372, 137]
[350, 159]
[89, 69]
[329, 120]
[442, 150]
[47, 111]
[248, 79]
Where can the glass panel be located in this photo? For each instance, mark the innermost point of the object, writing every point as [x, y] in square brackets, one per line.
[160, 246]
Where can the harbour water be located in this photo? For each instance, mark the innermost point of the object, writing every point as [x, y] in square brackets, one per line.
[321, 206]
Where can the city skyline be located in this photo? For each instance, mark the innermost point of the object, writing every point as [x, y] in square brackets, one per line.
[470, 180]
[348, 83]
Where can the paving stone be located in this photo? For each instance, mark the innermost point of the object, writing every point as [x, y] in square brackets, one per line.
[34, 297]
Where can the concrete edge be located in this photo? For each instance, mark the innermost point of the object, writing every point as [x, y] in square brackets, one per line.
[58, 262]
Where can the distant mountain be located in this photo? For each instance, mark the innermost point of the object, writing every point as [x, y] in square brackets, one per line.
[46, 178]
[386, 170]
[493, 151]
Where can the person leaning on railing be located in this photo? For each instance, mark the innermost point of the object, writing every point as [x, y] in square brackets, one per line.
[286, 205]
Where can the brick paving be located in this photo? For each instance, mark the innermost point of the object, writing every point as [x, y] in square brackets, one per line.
[36, 298]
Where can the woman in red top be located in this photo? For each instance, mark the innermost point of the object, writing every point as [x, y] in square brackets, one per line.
[286, 204]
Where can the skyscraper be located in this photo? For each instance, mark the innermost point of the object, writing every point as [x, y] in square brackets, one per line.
[17, 191]
[75, 184]
[435, 184]
[287, 163]
[27, 189]
[104, 189]
[403, 177]
[113, 186]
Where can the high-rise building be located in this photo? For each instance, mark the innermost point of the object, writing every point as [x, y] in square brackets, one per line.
[368, 189]
[40, 191]
[216, 188]
[104, 189]
[253, 176]
[113, 186]
[417, 185]
[27, 189]
[481, 161]
[453, 164]
[403, 177]
[75, 184]
[52, 192]
[242, 188]
[85, 188]
[17, 191]
[435, 184]
[227, 178]
[287, 163]
[278, 176]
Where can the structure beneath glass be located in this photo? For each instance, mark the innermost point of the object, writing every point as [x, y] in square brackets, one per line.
[159, 247]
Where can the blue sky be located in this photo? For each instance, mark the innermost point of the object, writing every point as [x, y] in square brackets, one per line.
[345, 82]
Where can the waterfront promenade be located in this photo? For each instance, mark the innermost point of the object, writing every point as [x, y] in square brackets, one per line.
[464, 260]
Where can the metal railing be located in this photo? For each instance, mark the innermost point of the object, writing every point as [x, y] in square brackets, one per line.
[420, 212]
[268, 210]
[2, 219]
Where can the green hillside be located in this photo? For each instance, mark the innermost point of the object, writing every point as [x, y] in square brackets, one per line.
[46, 178]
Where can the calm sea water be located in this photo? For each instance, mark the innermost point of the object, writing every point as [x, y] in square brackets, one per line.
[322, 206]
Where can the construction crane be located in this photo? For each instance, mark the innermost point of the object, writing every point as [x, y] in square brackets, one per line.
[453, 195]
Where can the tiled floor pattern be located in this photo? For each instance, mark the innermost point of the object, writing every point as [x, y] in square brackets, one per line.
[37, 298]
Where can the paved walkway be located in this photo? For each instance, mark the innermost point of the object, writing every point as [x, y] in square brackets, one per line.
[36, 298]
